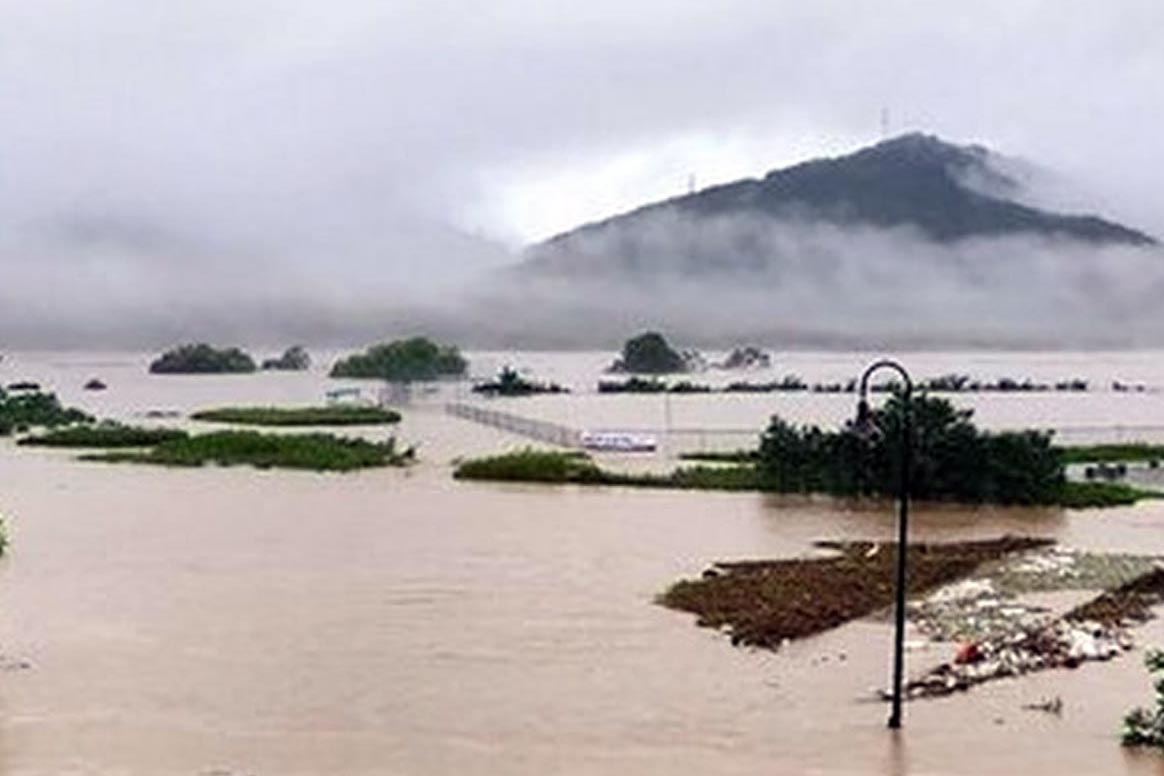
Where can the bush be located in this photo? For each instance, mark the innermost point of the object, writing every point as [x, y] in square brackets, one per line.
[339, 415]
[1145, 727]
[202, 359]
[403, 361]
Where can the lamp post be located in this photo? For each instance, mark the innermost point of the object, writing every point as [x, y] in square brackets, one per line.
[863, 424]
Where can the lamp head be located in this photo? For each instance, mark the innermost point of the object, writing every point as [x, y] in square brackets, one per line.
[863, 424]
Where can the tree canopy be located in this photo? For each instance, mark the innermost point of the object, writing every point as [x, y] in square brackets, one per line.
[649, 353]
[404, 361]
[952, 459]
[202, 358]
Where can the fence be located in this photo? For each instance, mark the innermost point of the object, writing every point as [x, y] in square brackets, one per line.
[542, 431]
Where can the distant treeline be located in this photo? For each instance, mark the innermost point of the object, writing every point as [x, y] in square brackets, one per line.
[794, 384]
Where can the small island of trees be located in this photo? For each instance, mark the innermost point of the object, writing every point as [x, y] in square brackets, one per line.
[294, 359]
[649, 353]
[202, 358]
[403, 361]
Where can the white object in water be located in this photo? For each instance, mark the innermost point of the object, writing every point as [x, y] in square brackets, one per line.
[618, 441]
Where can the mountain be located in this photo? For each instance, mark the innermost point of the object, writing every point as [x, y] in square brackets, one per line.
[943, 192]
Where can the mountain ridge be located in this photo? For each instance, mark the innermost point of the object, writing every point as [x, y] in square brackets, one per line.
[947, 192]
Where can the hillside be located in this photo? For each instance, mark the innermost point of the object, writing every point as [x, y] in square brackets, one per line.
[946, 193]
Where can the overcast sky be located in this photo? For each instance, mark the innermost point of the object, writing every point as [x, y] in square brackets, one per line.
[157, 143]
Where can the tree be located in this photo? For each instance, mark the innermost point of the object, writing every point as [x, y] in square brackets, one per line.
[952, 459]
[403, 361]
[649, 353]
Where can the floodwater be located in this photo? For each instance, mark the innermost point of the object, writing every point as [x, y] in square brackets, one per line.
[229, 621]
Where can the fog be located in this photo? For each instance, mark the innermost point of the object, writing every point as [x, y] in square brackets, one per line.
[797, 283]
[261, 171]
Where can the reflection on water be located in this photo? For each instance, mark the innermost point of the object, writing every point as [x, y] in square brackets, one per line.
[179, 622]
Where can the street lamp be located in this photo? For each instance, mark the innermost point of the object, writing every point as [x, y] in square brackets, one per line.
[864, 425]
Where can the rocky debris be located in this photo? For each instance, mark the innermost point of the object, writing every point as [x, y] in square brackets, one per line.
[989, 603]
[1058, 644]
[996, 634]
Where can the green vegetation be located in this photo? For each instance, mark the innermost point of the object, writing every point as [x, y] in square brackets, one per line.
[952, 459]
[3, 536]
[650, 385]
[107, 434]
[1145, 727]
[294, 359]
[202, 359]
[30, 409]
[1088, 495]
[577, 468]
[510, 383]
[532, 466]
[649, 353]
[317, 452]
[403, 361]
[337, 415]
[730, 456]
[1137, 451]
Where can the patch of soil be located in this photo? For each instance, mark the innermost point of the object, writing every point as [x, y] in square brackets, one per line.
[1130, 602]
[763, 603]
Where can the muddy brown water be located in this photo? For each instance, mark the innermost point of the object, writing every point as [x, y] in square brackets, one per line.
[397, 622]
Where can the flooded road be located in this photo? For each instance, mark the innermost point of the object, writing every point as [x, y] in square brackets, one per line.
[397, 622]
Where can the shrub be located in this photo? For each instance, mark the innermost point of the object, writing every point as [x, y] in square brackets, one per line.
[1145, 727]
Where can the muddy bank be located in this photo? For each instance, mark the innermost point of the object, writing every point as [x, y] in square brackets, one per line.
[762, 603]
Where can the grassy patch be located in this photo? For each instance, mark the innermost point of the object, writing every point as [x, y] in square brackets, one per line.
[577, 468]
[533, 466]
[317, 452]
[729, 456]
[1088, 495]
[339, 415]
[1111, 453]
[103, 435]
[544, 466]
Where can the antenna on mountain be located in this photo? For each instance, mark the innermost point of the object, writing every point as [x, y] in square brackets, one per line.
[691, 183]
[884, 123]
